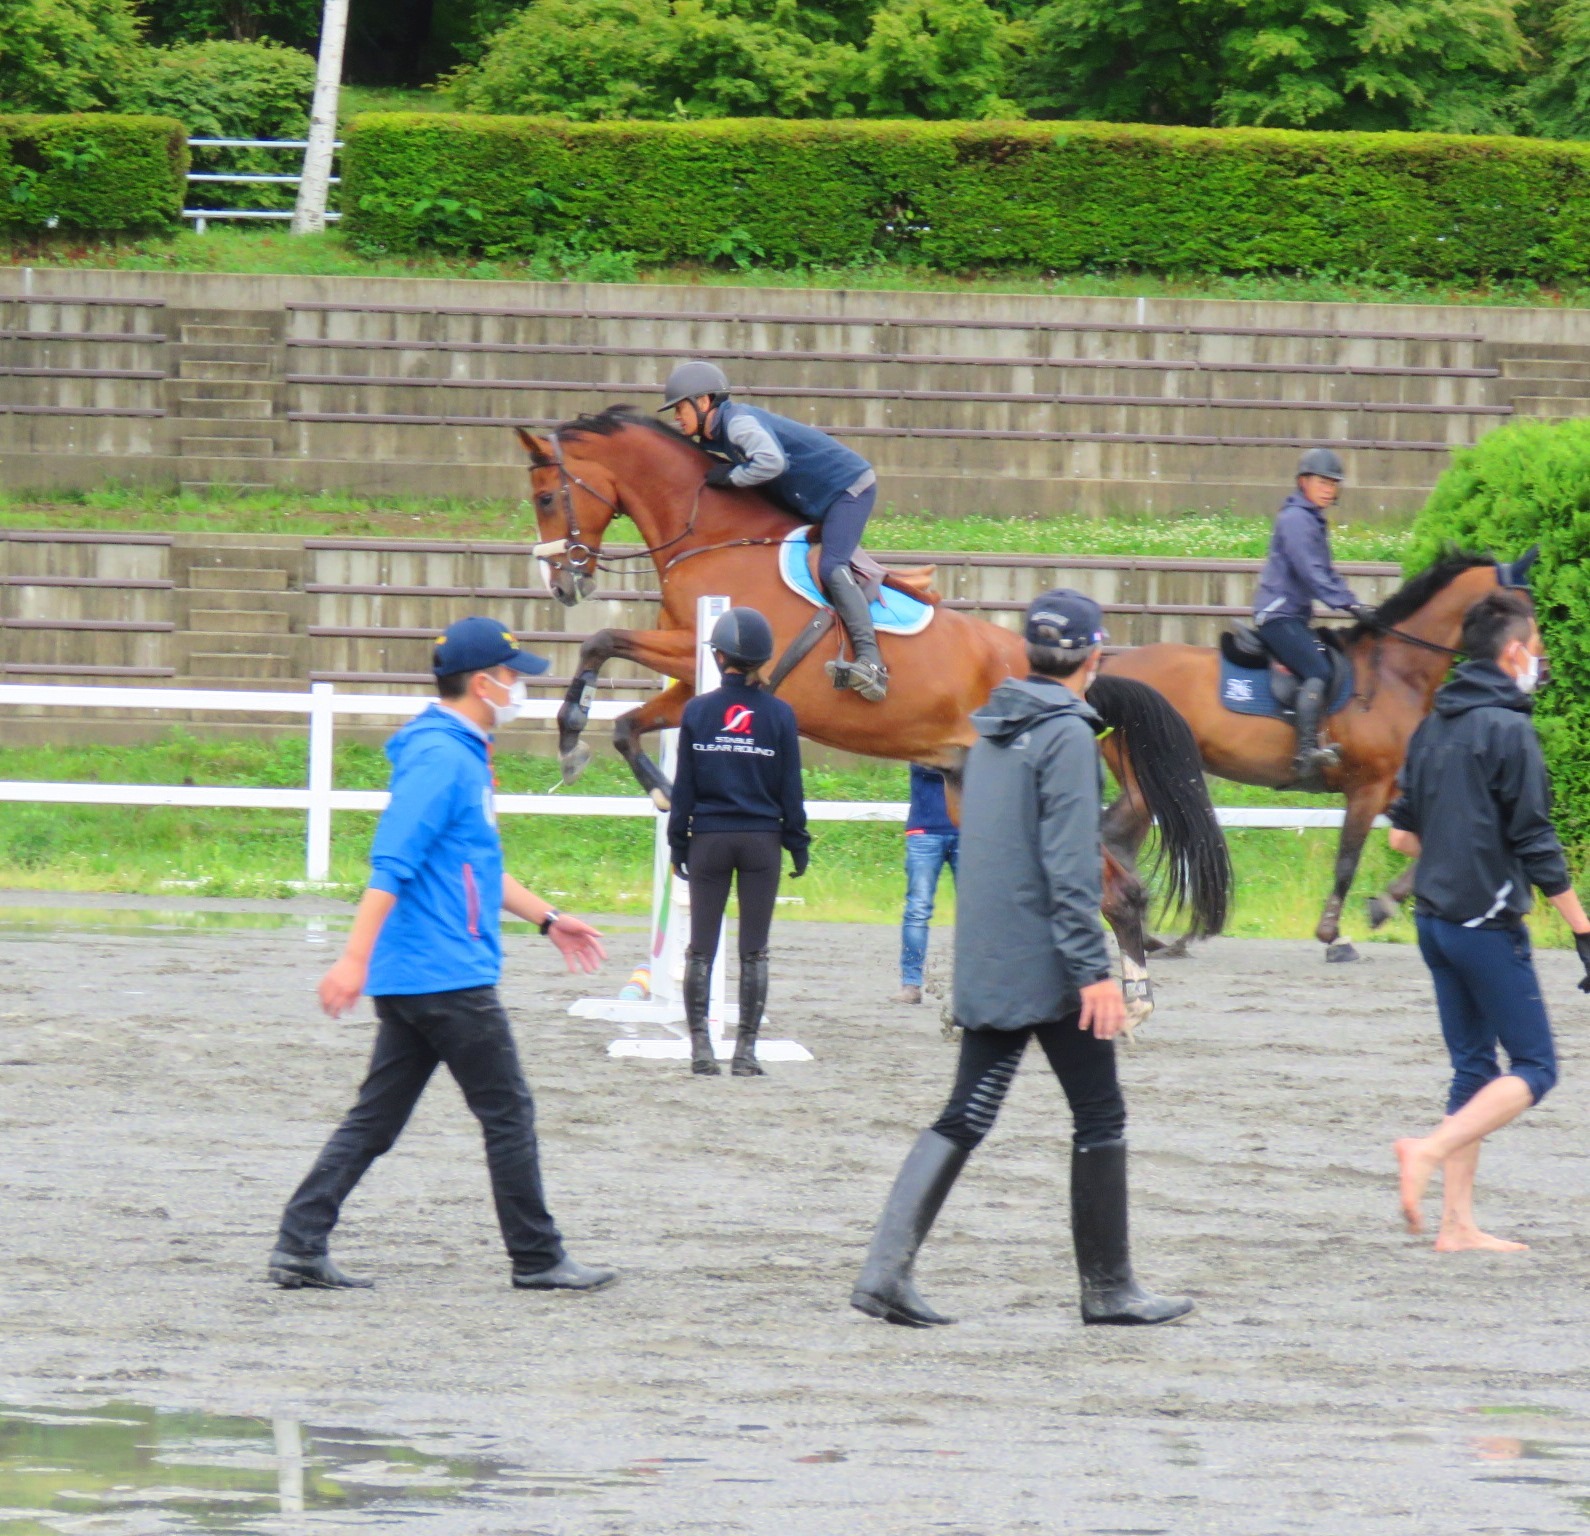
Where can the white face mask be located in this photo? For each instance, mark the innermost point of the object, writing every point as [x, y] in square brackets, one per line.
[1528, 681]
[506, 714]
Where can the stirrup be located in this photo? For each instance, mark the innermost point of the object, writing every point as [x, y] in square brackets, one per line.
[869, 679]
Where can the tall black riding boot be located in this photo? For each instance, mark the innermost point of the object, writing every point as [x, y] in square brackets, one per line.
[698, 994]
[867, 673]
[1110, 1292]
[1311, 756]
[884, 1288]
[753, 999]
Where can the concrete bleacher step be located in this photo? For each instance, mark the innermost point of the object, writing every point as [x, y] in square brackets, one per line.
[252, 646]
[199, 487]
[214, 369]
[237, 578]
[216, 446]
[1544, 368]
[1555, 406]
[226, 335]
[234, 408]
[251, 622]
[239, 667]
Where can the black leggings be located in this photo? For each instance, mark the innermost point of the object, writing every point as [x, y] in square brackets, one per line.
[1292, 643]
[1084, 1064]
[752, 860]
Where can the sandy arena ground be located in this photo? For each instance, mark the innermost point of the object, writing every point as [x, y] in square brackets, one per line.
[161, 1093]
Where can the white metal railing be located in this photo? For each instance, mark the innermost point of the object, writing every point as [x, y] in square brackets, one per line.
[201, 216]
[318, 799]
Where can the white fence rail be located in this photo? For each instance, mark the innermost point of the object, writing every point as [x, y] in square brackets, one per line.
[201, 216]
[319, 800]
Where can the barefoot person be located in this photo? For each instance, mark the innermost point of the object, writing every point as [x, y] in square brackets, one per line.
[426, 945]
[1030, 962]
[1475, 810]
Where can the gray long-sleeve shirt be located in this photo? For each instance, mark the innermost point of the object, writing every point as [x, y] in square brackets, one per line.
[1027, 928]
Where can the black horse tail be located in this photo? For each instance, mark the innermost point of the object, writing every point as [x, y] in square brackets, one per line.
[1162, 753]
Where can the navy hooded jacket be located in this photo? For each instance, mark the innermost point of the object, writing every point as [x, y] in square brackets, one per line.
[801, 466]
[1298, 570]
[437, 850]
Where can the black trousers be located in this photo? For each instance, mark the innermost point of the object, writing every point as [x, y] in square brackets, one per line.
[1084, 1064]
[1292, 643]
[751, 860]
[467, 1030]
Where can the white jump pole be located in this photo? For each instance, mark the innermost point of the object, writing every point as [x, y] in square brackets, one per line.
[670, 929]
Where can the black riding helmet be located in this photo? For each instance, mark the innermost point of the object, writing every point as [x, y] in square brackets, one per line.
[743, 637]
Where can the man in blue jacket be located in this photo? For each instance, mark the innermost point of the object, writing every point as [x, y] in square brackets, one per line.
[427, 947]
[803, 468]
[1475, 810]
[1297, 572]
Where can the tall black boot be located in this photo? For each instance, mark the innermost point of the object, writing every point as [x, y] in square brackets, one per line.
[698, 994]
[1110, 1292]
[753, 999]
[1311, 756]
[867, 673]
[884, 1288]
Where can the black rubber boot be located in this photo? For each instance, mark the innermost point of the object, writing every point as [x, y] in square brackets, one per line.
[698, 994]
[310, 1271]
[1110, 1292]
[753, 999]
[1311, 757]
[884, 1288]
[867, 673]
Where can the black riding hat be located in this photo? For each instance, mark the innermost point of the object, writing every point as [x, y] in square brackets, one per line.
[743, 637]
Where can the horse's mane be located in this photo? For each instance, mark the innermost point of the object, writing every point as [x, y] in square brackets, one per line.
[615, 419]
[1418, 590]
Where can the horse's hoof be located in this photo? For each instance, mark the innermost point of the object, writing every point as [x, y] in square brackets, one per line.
[1339, 954]
[575, 762]
[1381, 912]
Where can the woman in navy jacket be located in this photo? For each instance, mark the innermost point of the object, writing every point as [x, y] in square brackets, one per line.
[737, 802]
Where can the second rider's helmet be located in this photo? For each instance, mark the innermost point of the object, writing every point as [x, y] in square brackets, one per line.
[743, 637]
[1322, 462]
[689, 381]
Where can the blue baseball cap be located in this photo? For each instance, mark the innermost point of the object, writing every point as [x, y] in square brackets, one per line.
[473, 645]
[1066, 619]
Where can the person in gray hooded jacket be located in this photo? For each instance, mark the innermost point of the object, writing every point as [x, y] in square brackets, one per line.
[1030, 961]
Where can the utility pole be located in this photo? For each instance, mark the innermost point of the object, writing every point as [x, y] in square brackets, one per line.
[309, 213]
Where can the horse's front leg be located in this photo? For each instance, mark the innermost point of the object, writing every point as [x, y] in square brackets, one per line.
[1363, 805]
[659, 714]
[1125, 909]
[1383, 908]
[669, 651]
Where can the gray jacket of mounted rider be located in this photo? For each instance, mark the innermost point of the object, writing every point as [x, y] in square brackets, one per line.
[1027, 930]
[801, 466]
[1297, 569]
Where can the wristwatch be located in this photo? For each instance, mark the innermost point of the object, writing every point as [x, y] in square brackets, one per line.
[546, 922]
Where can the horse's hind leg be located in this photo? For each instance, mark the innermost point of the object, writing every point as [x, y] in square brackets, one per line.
[1384, 907]
[1124, 826]
[659, 714]
[1125, 909]
[664, 650]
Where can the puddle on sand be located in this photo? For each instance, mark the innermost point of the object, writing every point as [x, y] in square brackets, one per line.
[68, 920]
[125, 1467]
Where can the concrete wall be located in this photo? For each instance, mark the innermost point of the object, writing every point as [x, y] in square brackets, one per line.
[968, 402]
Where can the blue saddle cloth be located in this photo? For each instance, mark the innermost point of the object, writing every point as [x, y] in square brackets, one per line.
[1250, 690]
[894, 612]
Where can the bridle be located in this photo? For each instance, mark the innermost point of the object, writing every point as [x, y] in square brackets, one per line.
[1382, 631]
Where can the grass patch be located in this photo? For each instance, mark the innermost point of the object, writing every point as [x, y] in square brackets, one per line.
[589, 864]
[330, 255]
[1213, 535]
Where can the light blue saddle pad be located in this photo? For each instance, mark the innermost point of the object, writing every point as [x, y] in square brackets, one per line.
[894, 613]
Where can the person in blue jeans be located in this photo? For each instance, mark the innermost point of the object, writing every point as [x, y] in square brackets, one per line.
[1475, 810]
[931, 841]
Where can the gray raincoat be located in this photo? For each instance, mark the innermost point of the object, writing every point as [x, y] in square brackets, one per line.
[1027, 893]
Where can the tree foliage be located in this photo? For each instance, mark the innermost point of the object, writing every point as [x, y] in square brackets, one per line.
[64, 55]
[224, 90]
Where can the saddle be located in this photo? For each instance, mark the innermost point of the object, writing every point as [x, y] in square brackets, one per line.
[872, 576]
[1253, 682]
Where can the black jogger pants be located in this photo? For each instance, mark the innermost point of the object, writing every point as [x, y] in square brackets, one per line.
[751, 860]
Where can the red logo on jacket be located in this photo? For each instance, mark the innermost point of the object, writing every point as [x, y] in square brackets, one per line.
[738, 720]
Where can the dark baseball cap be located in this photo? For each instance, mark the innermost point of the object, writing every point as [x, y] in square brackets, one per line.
[473, 645]
[1066, 619]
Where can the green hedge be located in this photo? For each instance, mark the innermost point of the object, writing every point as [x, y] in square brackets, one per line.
[960, 195]
[1529, 483]
[91, 172]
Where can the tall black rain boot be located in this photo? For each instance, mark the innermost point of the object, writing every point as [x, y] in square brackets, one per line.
[753, 999]
[1311, 757]
[698, 993]
[867, 673]
[1110, 1292]
[884, 1288]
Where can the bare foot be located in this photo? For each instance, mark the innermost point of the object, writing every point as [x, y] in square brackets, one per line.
[1415, 1166]
[1466, 1238]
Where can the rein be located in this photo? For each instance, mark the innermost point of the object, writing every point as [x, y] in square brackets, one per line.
[1414, 640]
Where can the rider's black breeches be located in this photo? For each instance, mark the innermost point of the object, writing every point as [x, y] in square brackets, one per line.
[843, 526]
[1292, 643]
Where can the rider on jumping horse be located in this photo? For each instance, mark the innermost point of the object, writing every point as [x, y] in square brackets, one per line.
[1296, 571]
[803, 468]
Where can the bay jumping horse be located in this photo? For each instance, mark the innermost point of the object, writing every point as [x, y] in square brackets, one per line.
[1398, 659]
[703, 540]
